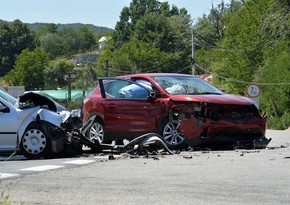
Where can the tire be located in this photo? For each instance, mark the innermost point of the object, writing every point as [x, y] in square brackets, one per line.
[35, 143]
[171, 136]
[96, 132]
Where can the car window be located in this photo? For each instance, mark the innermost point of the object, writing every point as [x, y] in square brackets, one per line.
[112, 87]
[12, 100]
[1, 104]
[124, 89]
[145, 83]
[186, 85]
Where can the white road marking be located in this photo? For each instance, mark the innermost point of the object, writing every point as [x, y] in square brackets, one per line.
[42, 168]
[80, 161]
[7, 175]
[45, 168]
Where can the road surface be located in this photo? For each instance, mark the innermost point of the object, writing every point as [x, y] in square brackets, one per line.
[200, 177]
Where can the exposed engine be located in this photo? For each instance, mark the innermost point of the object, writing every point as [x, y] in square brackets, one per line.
[216, 124]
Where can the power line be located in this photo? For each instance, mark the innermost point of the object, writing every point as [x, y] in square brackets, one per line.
[241, 81]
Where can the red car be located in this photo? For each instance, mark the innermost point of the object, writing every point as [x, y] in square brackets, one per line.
[183, 109]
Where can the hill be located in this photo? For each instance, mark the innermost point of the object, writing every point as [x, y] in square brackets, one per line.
[95, 29]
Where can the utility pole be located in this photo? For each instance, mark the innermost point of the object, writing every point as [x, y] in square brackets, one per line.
[69, 77]
[193, 53]
[107, 68]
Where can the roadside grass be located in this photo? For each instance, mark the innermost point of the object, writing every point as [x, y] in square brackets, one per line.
[4, 198]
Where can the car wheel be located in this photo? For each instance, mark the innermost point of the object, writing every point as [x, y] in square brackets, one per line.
[96, 132]
[35, 143]
[171, 136]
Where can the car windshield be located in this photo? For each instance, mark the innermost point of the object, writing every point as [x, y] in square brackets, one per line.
[186, 85]
[8, 97]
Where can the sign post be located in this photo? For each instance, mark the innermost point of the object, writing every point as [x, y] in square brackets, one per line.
[253, 91]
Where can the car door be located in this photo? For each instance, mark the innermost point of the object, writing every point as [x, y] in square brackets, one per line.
[127, 106]
[8, 126]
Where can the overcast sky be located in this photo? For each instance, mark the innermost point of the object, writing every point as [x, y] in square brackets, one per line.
[97, 12]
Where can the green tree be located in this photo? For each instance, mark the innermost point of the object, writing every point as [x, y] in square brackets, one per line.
[86, 38]
[254, 47]
[14, 37]
[154, 29]
[68, 41]
[29, 69]
[276, 93]
[276, 70]
[46, 29]
[241, 48]
[130, 16]
[56, 71]
[137, 56]
[209, 32]
[86, 77]
[152, 26]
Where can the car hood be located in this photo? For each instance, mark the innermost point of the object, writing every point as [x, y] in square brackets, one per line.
[38, 100]
[218, 99]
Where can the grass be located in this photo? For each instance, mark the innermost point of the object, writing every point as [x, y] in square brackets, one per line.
[4, 199]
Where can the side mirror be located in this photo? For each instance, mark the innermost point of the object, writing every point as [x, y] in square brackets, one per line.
[153, 95]
[3, 108]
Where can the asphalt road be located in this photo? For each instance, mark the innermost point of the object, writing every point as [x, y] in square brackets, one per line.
[203, 177]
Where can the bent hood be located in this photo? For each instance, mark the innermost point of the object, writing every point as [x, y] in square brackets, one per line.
[217, 99]
[39, 100]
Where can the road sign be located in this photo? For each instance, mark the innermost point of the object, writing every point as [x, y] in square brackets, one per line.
[253, 90]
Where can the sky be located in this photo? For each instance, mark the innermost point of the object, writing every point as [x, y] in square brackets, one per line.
[103, 13]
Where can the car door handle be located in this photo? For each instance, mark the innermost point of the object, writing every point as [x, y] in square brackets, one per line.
[109, 105]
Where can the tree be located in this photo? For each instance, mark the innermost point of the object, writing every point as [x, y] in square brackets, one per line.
[130, 16]
[276, 93]
[14, 37]
[137, 56]
[276, 70]
[154, 29]
[86, 38]
[254, 47]
[29, 69]
[46, 29]
[68, 41]
[241, 54]
[55, 73]
[151, 26]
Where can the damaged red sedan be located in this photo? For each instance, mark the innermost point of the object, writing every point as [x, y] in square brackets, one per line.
[184, 110]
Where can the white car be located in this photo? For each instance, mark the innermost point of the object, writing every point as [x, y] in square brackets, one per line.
[31, 124]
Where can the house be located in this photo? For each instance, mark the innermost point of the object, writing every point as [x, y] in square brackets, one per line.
[102, 42]
[206, 77]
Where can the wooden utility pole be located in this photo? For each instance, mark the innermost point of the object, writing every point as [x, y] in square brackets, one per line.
[107, 68]
[193, 53]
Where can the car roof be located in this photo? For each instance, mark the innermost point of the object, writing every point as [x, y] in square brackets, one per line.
[154, 75]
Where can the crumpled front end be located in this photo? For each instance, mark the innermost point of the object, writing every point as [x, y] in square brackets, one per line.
[221, 125]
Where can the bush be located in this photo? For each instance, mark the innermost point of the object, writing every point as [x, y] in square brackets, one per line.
[73, 105]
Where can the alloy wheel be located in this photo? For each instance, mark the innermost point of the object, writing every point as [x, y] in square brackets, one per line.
[171, 135]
